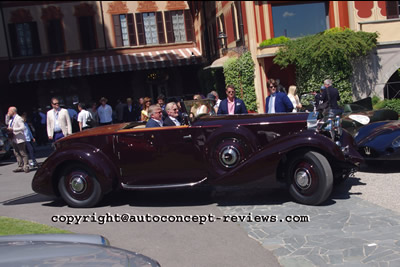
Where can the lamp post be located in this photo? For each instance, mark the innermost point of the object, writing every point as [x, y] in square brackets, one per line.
[222, 40]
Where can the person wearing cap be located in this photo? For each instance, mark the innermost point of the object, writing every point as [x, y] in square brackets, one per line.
[105, 112]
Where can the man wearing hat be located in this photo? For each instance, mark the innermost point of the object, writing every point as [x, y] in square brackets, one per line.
[104, 112]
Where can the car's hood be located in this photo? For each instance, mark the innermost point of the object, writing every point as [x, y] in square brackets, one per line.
[375, 129]
[52, 253]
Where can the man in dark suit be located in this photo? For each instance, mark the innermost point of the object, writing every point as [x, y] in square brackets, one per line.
[333, 99]
[231, 105]
[277, 101]
[130, 112]
[173, 113]
[155, 114]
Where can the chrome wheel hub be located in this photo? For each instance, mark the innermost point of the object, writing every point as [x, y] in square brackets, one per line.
[78, 184]
[229, 156]
[303, 179]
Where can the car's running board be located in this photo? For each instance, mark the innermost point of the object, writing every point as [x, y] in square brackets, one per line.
[161, 186]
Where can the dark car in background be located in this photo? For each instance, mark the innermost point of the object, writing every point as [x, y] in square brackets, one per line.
[5, 143]
[356, 116]
[298, 151]
[379, 142]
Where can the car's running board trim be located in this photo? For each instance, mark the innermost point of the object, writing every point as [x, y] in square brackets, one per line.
[161, 186]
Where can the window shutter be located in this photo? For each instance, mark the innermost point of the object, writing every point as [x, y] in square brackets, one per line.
[189, 26]
[160, 28]
[35, 39]
[392, 9]
[140, 29]
[54, 35]
[117, 31]
[168, 25]
[234, 22]
[13, 39]
[131, 30]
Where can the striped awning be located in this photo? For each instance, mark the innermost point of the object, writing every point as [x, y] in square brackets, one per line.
[104, 64]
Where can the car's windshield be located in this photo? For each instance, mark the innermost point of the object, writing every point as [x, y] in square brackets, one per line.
[353, 108]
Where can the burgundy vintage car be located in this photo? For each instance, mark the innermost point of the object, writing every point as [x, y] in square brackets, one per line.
[296, 150]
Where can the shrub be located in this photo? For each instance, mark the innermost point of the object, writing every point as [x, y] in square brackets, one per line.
[240, 73]
[274, 41]
[393, 104]
[326, 55]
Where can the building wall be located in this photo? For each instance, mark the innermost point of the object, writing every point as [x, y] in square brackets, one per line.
[368, 16]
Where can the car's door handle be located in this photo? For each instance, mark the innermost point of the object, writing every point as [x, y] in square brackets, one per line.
[187, 137]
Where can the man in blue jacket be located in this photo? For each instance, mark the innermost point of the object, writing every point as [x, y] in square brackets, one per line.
[231, 105]
[277, 101]
[155, 114]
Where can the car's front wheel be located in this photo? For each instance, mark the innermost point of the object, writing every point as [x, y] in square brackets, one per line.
[79, 187]
[310, 178]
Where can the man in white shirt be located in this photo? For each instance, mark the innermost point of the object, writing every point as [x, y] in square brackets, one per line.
[104, 112]
[173, 113]
[58, 121]
[83, 117]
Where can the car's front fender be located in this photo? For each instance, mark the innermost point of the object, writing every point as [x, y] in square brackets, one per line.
[264, 162]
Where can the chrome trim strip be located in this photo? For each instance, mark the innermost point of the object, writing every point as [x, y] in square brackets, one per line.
[161, 186]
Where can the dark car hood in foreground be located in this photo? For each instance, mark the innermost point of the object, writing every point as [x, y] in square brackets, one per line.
[52, 253]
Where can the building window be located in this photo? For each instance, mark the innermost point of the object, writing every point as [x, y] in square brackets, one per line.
[295, 21]
[124, 29]
[87, 32]
[392, 9]
[178, 25]
[25, 39]
[150, 28]
[55, 36]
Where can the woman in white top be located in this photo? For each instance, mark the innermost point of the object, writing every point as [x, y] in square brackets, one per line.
[292, 94]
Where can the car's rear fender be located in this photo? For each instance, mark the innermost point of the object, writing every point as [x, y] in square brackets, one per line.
[265, 162]
[88, 155]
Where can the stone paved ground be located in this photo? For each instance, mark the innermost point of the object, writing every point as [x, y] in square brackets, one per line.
[347, 230]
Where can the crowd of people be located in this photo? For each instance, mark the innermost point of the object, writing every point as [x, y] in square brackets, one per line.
[59, 121]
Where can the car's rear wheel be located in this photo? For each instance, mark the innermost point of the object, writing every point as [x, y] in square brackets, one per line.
[79, 187]
[310, 178]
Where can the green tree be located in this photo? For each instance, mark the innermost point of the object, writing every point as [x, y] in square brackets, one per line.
[326, 55]
[239, 72]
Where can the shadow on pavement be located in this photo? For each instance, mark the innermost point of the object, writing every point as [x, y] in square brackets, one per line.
[230, 196]
[381, 166]
[26, 199]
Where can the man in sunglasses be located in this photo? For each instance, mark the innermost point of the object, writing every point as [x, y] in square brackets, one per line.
[231, 105]
[173, 115]
[277, 102]
[58, 121]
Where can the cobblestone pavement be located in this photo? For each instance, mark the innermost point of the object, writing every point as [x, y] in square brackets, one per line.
[347, 230]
